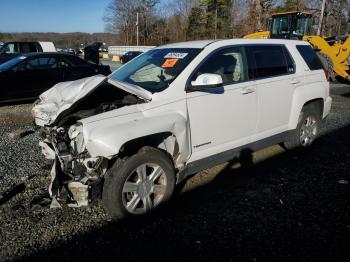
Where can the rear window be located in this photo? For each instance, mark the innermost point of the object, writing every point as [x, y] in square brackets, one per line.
[271, 60]
[310, 57]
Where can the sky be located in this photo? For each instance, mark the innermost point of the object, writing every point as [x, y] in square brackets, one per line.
[52, 15]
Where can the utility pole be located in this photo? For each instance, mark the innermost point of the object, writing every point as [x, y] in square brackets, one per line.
[137, 28]
[321, 18]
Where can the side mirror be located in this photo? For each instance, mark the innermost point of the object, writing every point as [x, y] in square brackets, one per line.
[207, 81]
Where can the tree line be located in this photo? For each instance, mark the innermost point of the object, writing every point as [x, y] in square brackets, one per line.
[161, 22]
[62, 40]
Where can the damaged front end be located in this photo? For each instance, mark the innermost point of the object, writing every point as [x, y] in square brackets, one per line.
[74, 171]
[75, 175]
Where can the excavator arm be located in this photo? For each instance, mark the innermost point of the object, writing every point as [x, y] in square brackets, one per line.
[338, 53]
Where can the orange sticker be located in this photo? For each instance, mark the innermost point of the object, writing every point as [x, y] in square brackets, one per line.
[170, 62]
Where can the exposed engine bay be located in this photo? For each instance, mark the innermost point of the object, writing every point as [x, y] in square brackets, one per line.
[75, 175]
[104, 98]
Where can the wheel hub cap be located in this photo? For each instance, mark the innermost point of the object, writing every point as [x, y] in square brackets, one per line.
[144, 188]
[308, 131]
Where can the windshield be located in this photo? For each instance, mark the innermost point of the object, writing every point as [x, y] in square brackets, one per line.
[156, 69]
[11, 63]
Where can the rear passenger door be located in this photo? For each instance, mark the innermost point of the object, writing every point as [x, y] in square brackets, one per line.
[275, 80]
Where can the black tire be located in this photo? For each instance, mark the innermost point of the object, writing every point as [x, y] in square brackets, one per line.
[294, 140]
[327, 64]
[122, 171]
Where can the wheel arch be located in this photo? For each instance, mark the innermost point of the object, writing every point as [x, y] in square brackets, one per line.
[165, 141]
[298, 107]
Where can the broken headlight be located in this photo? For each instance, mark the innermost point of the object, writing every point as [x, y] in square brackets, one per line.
[76, 136]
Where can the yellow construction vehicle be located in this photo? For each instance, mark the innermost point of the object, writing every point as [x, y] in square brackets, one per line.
[334, 53]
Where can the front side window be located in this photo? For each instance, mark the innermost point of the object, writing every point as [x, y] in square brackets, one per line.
[157, 68]
[229, 63]
[271, 60]
[41, 63]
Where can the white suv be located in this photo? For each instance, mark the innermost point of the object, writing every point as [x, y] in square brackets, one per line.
[173, 111]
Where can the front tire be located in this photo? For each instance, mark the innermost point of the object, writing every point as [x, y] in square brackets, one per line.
[307, 129]
[139, 184]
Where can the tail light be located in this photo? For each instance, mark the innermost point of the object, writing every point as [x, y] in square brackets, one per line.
[326, 74]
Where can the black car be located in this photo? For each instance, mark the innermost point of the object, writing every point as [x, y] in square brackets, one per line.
[27, 76]
[128, 56]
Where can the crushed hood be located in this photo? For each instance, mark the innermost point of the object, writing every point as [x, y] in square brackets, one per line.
[63, 95]
[133, 89]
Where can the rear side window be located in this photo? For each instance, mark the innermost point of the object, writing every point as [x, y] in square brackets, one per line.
[271, 60]
[74, 61]
[28, 47]
[310, 57]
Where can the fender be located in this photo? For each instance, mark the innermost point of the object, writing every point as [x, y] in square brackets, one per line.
[105, 138]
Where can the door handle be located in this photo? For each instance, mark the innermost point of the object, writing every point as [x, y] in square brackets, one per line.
[248, 90]
[294, 81]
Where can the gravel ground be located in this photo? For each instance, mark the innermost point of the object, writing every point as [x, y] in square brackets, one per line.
[286, 206]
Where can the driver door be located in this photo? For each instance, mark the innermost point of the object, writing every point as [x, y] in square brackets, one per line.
[34, 76]
[224, 117]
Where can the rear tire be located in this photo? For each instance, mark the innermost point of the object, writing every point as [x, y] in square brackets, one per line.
[307, 129]
[327, 64]
[139, 184]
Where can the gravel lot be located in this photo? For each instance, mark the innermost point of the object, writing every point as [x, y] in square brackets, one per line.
[287, 206]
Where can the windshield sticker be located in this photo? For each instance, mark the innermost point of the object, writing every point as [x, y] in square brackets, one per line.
[176, 55]
[169, 63]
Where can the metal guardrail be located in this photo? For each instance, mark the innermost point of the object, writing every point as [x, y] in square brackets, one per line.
[121, 50]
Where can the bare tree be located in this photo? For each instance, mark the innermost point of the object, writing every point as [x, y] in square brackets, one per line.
[178, 20]
[120, 19]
